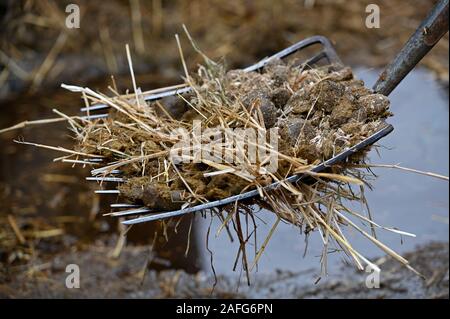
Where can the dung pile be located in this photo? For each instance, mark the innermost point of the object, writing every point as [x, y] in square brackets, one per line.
[237, 131]
[318, 113]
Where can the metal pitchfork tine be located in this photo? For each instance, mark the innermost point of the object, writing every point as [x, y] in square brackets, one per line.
[295, 178]
[426, 36]
[328, 53]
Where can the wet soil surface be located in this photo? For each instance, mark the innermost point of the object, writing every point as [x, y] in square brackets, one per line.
[104, 277]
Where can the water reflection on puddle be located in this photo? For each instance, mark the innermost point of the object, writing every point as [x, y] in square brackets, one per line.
[413, 203]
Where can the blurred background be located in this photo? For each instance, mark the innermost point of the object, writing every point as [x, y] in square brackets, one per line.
[50, 217]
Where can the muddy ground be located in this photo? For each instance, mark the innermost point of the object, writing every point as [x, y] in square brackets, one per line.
[49, 216]
[124, 278]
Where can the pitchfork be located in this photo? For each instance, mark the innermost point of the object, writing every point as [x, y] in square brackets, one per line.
[425, 37]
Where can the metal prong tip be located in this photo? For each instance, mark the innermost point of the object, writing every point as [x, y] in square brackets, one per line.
[141, 210]
[150, 218]
[151, 97]
[294, 178]
[94, 116]
[106, 179]
[65, 160]
[107, 191]
[93, 159]
[95, 107]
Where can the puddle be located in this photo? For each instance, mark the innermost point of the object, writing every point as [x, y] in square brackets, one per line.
[413, 203]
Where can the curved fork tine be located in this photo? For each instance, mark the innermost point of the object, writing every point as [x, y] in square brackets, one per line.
[136, 211]
[338, 158]
[328, 52]
[150, 97]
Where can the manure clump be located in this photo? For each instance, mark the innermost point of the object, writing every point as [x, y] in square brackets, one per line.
[318, 112]
[237, 131]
